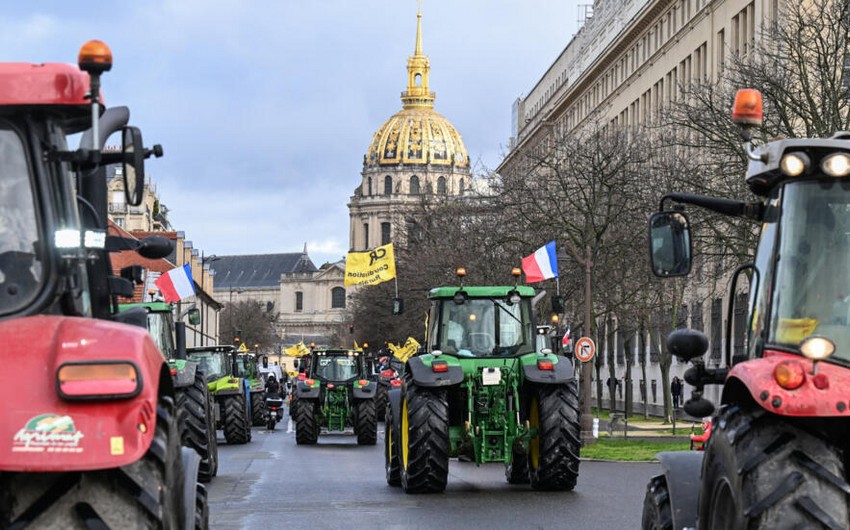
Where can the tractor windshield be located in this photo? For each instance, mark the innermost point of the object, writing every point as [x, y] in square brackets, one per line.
[213, 364]
[336, 367]
[21, 271]
[161, 329]
[812, 293]
[485, 327]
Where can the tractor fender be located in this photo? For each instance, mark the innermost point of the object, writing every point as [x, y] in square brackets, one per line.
[682, 470]
[394, 400]
[43, 430]
[562, 372]
[424, 376]
[185, 375]
[303, 391]
[228, 392]
[364, 392]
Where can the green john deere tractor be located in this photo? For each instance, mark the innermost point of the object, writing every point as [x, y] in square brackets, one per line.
[335, 396]
[192, 397]
[229, 389]
[483, 390]
[249, 368]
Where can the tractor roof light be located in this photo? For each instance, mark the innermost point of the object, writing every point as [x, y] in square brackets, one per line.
[95, 57]
[836, 165]
[789, 375]
[460, 272]
[817, 348]
[747, 110]
[795, 164]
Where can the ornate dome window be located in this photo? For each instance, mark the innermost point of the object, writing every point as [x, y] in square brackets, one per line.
[388, 185]
[414, 185]
[441, 186]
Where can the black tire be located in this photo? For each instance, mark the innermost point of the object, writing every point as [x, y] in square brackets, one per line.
[381, 396]
[392, 464]
[202, 509]
[145, 494]
[424, 442]
[553, 455]
[517, 471]
[237, 429]
[656, 506]
[258, 408]
[762, 471]
[198, 431]
[306, 428]
[366, 422]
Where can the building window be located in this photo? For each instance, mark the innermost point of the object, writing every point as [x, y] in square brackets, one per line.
[365, 235]
[385, 233]
[299, 301]
[388, 185]
[441, 185]
[461, 188]
[414, 185]
[337, 298]
[370, 186]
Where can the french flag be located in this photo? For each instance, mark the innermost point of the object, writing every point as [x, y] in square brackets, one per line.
[176, 284]
[541, 265]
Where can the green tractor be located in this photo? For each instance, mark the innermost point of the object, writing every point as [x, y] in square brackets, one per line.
[192, 397]
[483, 389]
[229, 389]
[249, 368]
[336, 395]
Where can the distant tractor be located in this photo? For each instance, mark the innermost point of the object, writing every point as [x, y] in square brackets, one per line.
[484, 392]
[249, 369]
[335, 395]
[230, 390]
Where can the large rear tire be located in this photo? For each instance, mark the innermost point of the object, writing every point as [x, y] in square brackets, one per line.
[306, 428]
[145, 494]
[656, 506]
[392, 464]
[553, 455]
[517, 471]
[237, 429]
[258, 408]
[381, 395]
[366, 422]
[424, 440]
[762, 471]
[199, 431]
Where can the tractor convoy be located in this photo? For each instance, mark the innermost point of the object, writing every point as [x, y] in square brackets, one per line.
[777, 453]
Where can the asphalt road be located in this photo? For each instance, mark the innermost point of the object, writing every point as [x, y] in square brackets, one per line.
[273, 483]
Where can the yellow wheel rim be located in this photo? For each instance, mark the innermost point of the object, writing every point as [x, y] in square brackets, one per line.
[389, 443]
[404, 436]
[534, 444]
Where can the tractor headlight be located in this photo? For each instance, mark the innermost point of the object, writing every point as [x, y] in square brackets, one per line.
[794, 164]
[836, 165]
[817, 348]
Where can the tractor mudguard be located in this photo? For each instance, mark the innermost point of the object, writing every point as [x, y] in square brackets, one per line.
[307, 392]
[185, 375]
[44, 432]
[365, 392]
[425, 376]
[228, 392]
[682, 471]
[561, 373]
[394, 399]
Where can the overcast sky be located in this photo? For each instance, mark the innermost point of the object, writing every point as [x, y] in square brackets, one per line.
[266, 108]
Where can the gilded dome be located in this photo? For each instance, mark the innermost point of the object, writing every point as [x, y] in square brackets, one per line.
[417, 135]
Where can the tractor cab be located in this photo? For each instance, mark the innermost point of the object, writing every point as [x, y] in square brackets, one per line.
[337, 366]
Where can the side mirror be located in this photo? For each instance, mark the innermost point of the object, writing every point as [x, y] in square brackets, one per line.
[265, 361]
[134, 165]
[194, 316]
[670, 244]
[687, 344]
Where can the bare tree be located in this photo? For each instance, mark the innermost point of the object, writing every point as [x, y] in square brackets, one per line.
[251, 321]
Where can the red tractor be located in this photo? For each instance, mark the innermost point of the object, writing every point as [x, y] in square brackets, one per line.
[777, 456]
[89, 434]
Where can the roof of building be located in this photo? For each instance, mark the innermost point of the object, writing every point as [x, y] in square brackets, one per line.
[257, 270]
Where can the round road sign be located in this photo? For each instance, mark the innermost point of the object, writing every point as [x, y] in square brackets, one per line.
[585, 349]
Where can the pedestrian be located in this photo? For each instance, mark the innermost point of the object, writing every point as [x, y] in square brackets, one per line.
[676, 391]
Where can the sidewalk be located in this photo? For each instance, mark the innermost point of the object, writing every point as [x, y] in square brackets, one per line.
[638, 428]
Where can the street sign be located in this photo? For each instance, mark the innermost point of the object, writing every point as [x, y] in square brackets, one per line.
[585, 349]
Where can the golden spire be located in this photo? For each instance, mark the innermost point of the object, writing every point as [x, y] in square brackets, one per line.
[418, 66]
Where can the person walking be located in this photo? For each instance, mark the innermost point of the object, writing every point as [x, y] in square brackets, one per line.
[676, 391]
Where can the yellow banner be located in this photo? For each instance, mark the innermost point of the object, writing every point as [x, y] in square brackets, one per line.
[243, 348]
[298, 350]
[371, 267]
[405, 351]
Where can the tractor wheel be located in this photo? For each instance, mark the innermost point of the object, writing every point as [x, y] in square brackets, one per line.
[656, 506]
[517, 471]
[553, 455]
[199, 432]
[258, 409]
[237, 429]
[306, 428]
[145, 494]
[202, 509]
[365, 423]
[392, 466]
[762, 471]
[424, 440]
[381, 396]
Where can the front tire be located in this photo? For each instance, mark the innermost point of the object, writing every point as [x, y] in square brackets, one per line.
[392, 464]
[199, 432]
[237, 429]
[763, 471]
[424, 440]
[656, 506]
[258, 408]
[306, 428]
[366, 423]
[145, 494]
[553, 455]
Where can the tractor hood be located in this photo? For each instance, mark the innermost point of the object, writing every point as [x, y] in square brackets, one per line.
[42, 431]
